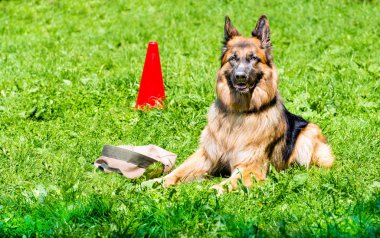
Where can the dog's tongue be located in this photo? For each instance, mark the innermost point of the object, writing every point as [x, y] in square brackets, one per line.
[241, 86]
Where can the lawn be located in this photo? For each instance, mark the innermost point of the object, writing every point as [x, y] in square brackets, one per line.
[69, 76]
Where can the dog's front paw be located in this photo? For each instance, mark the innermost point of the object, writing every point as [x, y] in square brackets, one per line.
[153, 183]
[165, 182]
[219, 189]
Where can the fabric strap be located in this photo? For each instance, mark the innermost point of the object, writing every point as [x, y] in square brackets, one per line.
[129, 156]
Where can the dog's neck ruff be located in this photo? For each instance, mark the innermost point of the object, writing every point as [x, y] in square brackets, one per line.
[263, 107]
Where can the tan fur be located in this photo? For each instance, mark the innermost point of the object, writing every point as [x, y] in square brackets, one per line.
[311, 148]
[247, 143]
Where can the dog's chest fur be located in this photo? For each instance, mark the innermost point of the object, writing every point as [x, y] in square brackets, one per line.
[230, 138]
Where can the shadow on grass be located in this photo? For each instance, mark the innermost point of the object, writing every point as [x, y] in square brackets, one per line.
[59, 218]
[181, 213]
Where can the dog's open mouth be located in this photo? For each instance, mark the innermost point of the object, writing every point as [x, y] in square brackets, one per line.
[242, 87]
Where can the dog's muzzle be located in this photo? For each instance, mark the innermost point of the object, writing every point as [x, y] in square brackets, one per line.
[241, 81]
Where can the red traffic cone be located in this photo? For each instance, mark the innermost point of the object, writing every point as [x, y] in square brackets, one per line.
[151, 90]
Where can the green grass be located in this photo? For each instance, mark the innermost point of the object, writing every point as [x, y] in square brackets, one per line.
[69, 75]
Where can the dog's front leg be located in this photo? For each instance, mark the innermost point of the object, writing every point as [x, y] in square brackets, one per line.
[195, 167]
[246, 173]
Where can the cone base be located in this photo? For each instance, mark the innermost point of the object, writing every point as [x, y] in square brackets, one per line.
[146, 107]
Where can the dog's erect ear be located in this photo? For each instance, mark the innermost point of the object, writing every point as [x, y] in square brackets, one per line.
[262, 32]
[229, 33]
[229, 30]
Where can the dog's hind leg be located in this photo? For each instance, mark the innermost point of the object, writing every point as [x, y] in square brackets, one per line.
[195, 167]
[311, 148]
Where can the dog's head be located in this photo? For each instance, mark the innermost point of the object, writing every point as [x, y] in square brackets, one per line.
[247, 67]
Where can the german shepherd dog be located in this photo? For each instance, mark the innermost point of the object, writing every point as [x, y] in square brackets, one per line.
[249, 127]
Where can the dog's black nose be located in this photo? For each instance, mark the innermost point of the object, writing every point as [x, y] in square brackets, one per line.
[241, 77]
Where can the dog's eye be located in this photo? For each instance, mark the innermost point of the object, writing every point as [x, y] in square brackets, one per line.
[253, 57]
[233, 58]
